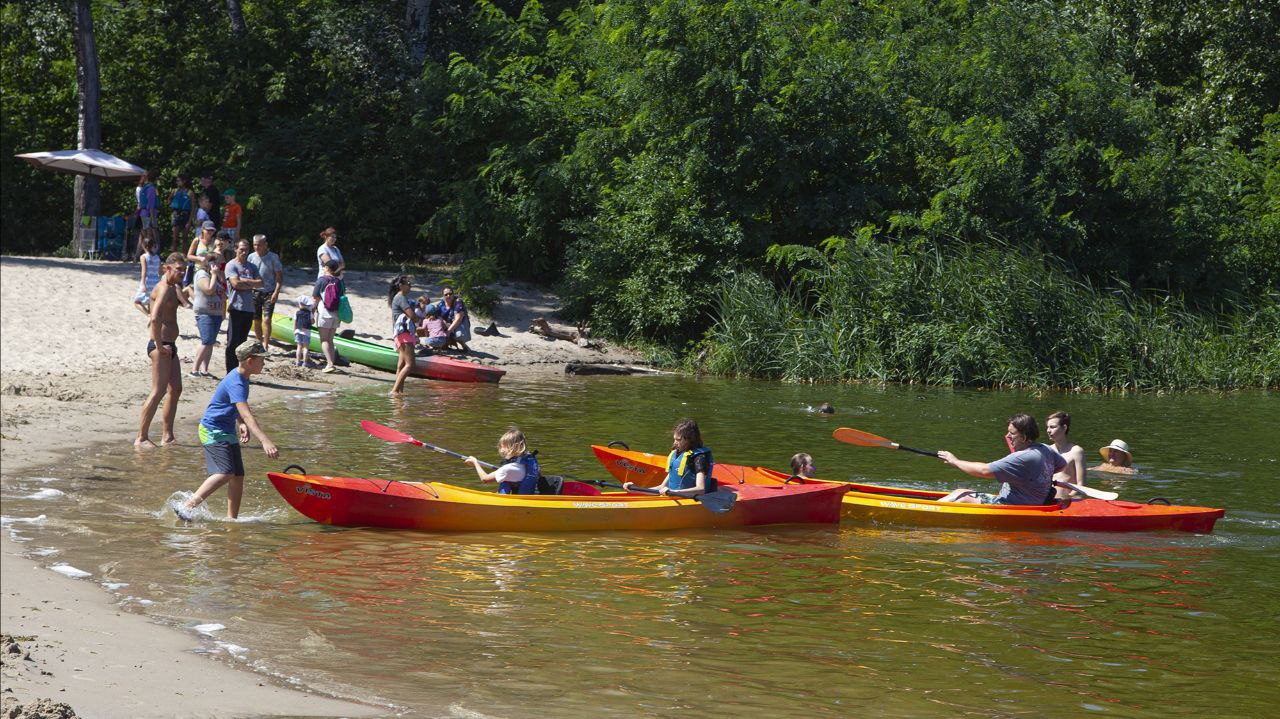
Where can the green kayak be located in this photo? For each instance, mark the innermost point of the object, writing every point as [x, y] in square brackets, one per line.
[372, 354]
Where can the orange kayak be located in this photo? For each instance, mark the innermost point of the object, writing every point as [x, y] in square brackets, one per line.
[898, 505]
[434, 506]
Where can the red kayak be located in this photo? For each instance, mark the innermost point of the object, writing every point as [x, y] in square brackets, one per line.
[434, 506]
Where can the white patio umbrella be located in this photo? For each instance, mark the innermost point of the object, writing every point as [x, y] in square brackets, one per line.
[93, 163]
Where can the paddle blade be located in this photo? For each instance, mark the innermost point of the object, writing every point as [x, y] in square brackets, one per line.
[719, 501]
[862, 439]
[383, 432]
[1090, 491]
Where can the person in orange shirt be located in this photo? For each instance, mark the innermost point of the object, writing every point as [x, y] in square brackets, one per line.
[231, 212]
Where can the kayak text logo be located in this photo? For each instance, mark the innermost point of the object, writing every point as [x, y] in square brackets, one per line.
[638, 469]
[304, 489]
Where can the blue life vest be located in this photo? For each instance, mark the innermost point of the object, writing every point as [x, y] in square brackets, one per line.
[528, 485]
[680, 473]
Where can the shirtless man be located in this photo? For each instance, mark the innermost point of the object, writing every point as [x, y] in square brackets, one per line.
[1058, 426]
[166, 371]
[1118, 458]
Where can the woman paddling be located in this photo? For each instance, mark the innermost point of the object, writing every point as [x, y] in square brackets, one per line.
[688, 466]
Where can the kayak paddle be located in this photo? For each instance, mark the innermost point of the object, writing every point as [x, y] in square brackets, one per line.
[381, 431]
[866, 439]
[720, 500]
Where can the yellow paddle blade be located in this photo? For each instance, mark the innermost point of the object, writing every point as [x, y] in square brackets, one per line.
[863, 439]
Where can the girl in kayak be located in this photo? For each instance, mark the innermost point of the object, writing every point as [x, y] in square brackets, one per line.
[1119, 460]
[1026, 475]
[802, 466]
[688, 466]
[519, 471]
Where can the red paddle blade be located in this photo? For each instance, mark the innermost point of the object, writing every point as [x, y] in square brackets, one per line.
[862, 439]
[384, 432]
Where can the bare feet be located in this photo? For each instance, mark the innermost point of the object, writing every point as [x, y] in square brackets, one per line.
[168, 441]
[143, 443]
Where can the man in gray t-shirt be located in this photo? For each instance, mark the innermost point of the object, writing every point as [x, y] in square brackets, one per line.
[271, 270]
[243, 278]
[1026, 475]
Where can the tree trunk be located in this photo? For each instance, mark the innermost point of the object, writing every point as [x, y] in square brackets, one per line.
[417, 17]
[237, 18]
[88, 93]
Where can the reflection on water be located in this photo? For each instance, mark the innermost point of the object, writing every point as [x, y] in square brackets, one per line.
[789, 621]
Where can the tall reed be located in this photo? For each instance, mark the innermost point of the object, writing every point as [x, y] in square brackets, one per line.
[861, 309]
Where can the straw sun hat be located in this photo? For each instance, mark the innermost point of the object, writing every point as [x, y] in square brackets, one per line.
[1118, 445]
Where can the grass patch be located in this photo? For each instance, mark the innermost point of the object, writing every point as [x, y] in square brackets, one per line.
[859, 309]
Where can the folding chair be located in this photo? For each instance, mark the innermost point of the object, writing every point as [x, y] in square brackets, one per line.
[87, 238]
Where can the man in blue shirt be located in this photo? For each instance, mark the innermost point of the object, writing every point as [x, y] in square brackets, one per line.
[1026, 475]
[227, 423]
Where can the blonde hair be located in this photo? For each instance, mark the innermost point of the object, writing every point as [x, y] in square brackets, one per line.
[511, 444]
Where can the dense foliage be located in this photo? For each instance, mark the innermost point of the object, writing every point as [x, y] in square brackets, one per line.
[975, 314]
[640, 152]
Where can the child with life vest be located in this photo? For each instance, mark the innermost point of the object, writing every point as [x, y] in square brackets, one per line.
[519, 471]
[689, 466]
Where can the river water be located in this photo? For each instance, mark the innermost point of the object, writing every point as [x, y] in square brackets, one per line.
[798, 621]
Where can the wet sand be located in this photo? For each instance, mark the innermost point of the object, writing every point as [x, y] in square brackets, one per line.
[73, 374]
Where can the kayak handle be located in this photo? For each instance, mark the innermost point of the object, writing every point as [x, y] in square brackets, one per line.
[294, 466]
[619, 443]
[1158, 500]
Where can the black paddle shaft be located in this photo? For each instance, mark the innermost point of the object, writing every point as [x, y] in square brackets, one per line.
[925, 452]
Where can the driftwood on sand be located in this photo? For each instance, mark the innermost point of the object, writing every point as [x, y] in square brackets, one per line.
[580, 336]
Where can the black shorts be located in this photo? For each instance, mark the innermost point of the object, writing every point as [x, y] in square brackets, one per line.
[223, 459]
[263, 305]
[171, 346]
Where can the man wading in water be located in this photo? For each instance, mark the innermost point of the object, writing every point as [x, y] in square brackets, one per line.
[162, 349]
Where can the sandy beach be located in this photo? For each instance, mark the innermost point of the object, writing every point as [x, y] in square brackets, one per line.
[74, 374]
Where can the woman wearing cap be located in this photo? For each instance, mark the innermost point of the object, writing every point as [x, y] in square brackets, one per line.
[209, 297]
[327, 251]
[1117, 459]
[200, 246]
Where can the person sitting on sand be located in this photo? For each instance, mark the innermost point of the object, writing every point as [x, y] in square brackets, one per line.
[1118, 458]
[458, 322]
[434, 332]
[802, 466]
[1026, 474]
[689, 466]
[226, 424]
[162, 350]
[1057, 427]
[519, 471]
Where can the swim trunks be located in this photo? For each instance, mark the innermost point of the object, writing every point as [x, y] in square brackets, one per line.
[171, 346]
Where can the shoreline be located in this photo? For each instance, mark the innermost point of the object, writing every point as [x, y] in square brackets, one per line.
[85, 390]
